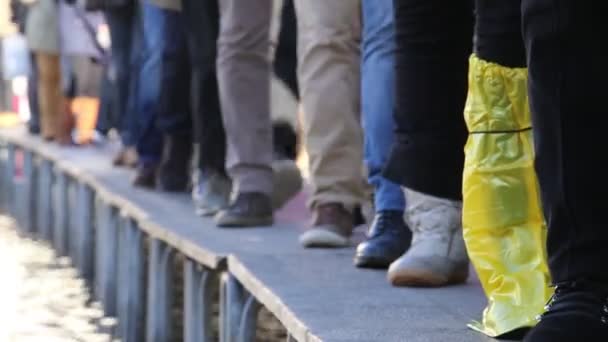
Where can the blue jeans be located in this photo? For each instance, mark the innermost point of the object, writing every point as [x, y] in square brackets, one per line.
[125, 34]
[378, 88]
[159, 77]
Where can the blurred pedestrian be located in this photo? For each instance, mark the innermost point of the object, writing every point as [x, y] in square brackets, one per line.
[388, 237]
[162, 100]
[329, 74]
[567, 74]
[243, 65]
[122, 18]
[42, 31]
[83, 58]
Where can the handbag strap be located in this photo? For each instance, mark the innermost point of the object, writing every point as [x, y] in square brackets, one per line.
[92, 31]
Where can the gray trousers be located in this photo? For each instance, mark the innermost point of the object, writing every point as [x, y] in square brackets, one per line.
[243, 68]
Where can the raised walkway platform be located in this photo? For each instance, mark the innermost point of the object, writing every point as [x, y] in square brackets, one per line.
[131, 245]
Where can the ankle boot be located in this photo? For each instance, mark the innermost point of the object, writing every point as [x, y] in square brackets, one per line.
[437, 256]
[388, 238]
[578, 311]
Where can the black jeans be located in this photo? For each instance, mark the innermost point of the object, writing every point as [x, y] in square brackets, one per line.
[32, 97]
[567, 86]
[202, 29]
[434, 42]
[286, 59]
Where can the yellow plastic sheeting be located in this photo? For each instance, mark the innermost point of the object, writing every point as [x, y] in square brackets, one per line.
[503, 224]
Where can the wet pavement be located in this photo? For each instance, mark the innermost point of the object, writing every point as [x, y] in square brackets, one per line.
[41, 296]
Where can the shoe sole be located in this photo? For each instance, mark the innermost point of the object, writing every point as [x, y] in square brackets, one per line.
[361, 261]
[322, 238]
[424, 278]
[206, 212]
[227, 222]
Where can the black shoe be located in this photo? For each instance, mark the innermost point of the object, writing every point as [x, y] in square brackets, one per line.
[577, 312]
[173, 175]
[388, 238]
[248, 209]
[145, 176]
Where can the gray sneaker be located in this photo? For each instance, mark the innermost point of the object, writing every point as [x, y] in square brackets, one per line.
[437, 256]
[211, 193]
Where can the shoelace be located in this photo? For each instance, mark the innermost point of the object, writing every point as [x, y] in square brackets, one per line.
[381, 225]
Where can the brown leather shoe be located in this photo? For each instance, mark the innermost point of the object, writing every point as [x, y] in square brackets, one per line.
[332, 227]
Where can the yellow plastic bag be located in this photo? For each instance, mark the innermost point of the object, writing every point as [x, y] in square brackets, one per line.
[504, 229]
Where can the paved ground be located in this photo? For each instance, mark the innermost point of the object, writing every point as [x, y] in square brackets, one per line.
[41, 298]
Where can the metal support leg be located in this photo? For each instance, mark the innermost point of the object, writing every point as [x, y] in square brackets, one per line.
[30, 200]
[106, 251]
[44, 193]
[60, 213]
[131, 282]
[249, 320]
[199, 285]
[3, 176]
[10, 180]
[72, 226]
[158, 324]
[232, 299]
[84, 232]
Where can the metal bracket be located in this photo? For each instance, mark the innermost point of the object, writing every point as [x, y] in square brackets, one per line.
[44, 199]
[199, 286]
[84, 232]
[131, 282]
[106, 256]
[238, 311]
[10, 180]
[3, 176]
[60, 213]
[160, 290]
[27, 209]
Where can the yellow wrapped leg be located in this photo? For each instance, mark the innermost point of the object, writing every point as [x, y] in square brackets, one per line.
[504, 229]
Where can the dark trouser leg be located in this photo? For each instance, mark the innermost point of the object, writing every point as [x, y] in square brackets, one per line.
[165, 107]
[122, 24]
[32, 96]
[567, 75]
[107, 109]
[286, 59]
[498, 33]
[174, 114]
[202, 26]
[433, 46]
